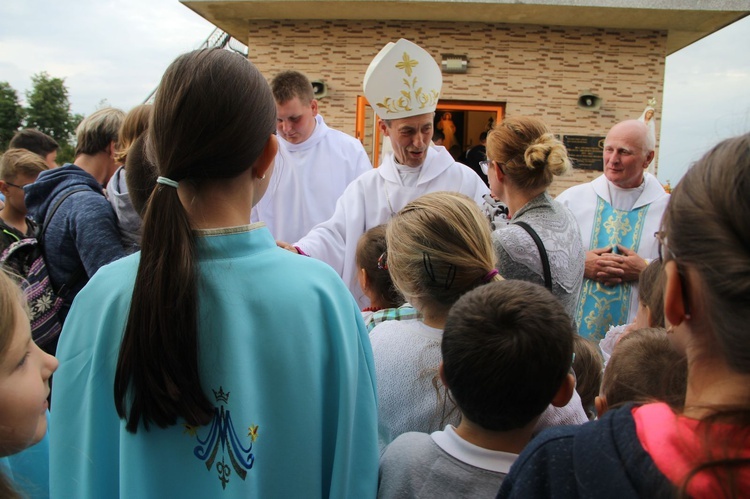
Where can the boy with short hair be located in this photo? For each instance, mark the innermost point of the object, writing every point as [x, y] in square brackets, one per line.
[37, 142]
[507, 350]
[18, 168]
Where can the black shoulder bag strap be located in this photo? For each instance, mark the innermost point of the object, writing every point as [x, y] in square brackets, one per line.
[80, 271]
[542, 253]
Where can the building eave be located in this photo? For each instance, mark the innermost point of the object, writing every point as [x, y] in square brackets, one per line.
[685, 21]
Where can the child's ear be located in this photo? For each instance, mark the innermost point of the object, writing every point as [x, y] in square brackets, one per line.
[601, 406]
[565, 392]
[3, 187]
[266, 158]
[441, 371]
[362, 278]
[674, 301]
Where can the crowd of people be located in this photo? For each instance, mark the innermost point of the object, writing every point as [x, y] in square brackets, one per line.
[249, 308]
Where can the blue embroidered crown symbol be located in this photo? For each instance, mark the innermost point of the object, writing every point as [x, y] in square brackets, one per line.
[221, 395]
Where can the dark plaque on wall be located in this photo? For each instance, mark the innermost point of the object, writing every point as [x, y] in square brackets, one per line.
[585, 152]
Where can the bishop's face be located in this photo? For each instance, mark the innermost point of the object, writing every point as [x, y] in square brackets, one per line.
[410, 138]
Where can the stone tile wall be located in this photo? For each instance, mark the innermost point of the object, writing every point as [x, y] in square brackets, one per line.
[535, 70]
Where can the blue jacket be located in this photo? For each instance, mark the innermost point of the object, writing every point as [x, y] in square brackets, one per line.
[83, 231]
[603, 458]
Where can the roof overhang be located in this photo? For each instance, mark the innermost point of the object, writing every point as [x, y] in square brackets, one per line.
[685, 21]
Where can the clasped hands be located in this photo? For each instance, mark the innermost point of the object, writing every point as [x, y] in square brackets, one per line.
[610, 268]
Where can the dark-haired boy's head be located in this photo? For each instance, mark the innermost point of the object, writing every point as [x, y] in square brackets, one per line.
[37, 142]
[507, 350]
[140, 174]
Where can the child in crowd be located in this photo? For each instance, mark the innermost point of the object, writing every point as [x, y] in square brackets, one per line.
[18, 168]
[500, 383]
[128, 219]
[644, 367]
[588, 366]
[374, 278]
[142, 174]
[653, 450]
[438, 248]
[650, 308]
[25, 371]
[213, 363]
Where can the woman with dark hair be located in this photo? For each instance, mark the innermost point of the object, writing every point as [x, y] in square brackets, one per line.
[653, 450]
[237, 369]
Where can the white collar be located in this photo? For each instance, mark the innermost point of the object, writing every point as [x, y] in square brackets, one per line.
[479, 457]
[315, 137]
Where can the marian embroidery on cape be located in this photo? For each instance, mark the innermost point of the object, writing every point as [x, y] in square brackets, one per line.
[223, 442]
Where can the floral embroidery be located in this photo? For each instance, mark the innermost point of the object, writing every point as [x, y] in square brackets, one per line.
[411, 92]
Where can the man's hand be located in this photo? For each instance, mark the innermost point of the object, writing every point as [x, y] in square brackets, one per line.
[592, 259]
[611, 269]
[287, 246]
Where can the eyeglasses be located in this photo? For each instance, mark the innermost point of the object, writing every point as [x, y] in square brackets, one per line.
[661, 238]
[383, 261]
[485, 166]
[16, 186]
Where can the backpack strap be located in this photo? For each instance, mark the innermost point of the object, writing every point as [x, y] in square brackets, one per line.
[542, 253]
[80, 271]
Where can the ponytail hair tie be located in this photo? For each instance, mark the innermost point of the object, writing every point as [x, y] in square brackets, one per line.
[488, 277]
[167, 181]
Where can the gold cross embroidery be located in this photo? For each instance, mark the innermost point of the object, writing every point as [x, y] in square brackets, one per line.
[407, 63]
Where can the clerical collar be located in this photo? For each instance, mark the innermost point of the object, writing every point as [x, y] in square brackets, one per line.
[409, 174]
[624, 199]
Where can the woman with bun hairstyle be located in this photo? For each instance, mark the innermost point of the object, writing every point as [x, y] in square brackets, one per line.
[213, 363]
[522, 158]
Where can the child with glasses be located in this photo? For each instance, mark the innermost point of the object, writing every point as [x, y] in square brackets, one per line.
[491, 366]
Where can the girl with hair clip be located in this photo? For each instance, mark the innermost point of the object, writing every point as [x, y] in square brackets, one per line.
[438, 249]
[373, 275]
[237, 369]
[522, 158]
[25, 371]
[652, 450]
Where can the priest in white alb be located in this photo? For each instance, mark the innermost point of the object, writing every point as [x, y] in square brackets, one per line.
[618, 214]
[403, 84]
[314, 164]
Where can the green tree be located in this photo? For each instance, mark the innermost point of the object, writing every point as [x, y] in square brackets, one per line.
[11, 113]
[48, 108]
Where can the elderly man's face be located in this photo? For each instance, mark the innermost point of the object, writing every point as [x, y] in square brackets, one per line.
[625, 154]
[410, 138]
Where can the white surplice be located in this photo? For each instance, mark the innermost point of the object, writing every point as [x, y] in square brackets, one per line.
[307, 180]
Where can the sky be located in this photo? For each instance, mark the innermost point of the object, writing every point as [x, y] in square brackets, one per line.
[115, 51]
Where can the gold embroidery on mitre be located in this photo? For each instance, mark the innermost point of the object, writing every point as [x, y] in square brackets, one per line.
[411, 91]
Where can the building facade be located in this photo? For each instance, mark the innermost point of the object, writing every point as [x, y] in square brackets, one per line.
[533, 59]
